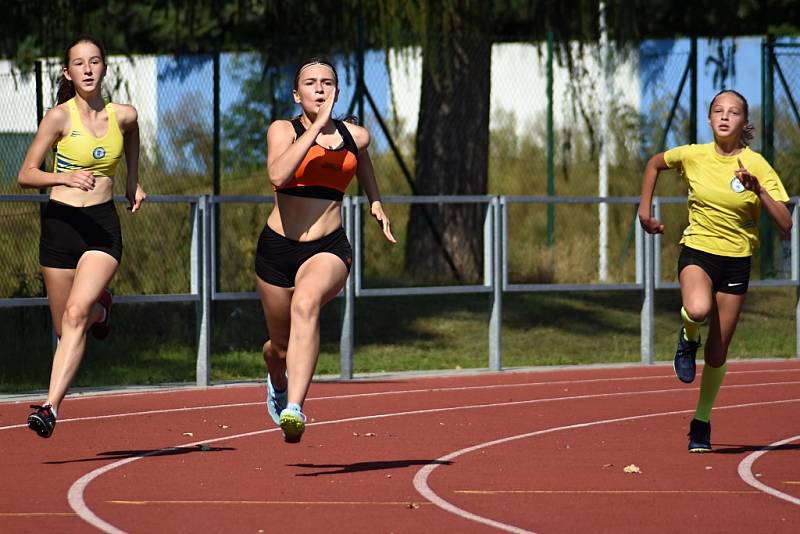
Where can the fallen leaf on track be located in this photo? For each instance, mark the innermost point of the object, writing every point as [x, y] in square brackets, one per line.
[633, 468]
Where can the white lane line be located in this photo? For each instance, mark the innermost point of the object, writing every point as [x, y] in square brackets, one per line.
[746, 471]
[76, 491]
[421, 478]
[388, 393]
[92, 396]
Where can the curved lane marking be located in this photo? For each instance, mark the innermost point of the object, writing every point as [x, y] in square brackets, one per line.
[746, 471]
[421, 478]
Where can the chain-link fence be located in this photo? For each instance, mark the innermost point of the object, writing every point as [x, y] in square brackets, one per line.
[203, 120]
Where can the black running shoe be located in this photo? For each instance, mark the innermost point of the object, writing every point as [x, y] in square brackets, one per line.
[699, 436]
[42, 421]
[684, 365]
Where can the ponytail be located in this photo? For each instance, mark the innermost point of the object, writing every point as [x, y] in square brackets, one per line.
[65, 90]
[747, 134]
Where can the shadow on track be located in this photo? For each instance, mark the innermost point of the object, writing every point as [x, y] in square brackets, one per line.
[358, 467]
[121, 455]
[739, 449]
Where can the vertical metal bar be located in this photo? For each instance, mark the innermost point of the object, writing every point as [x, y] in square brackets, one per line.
[40, 114]
[496, 319]
[551, 188]
[693, 91]
[346, 339]
[204, 331]
[195, 250]
[488, 232]
[795, 237]
[216, 187]
[606, 88]
[361, 82]
[358, 246]
[768, 101]
[648, 305]
[639, 237]
[504, 245]
[796, 269]
[213, 220]
[657, 244]
[767, 234]
[37, 67]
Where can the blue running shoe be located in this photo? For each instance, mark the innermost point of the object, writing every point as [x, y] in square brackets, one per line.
[276, 401]
[293, 423]
[699, 436]
[684, 364]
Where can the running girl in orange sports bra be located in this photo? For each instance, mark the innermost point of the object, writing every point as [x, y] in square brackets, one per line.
[303, 255]
[81, 242]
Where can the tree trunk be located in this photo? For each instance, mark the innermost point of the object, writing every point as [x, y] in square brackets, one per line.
[445, 241]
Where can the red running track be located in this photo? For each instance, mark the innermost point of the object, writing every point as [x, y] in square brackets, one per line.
[534, 451]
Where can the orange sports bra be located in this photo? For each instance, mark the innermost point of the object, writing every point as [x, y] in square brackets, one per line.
[324, 173]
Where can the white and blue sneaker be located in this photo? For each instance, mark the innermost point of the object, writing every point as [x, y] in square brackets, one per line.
[276, 401]
[293, 423]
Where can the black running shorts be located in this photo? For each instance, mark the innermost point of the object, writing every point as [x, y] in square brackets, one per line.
[728, 274]
[69, 231]
[278, 258]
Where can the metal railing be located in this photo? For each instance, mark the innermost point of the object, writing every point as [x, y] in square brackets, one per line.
[203, 266]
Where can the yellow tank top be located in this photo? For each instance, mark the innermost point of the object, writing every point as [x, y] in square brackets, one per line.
[82, 151]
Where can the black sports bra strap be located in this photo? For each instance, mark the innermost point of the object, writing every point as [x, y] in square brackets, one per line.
[349, 142]
[299, 129]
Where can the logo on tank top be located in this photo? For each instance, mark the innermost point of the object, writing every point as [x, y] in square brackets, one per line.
[99, 152]
[736, 185]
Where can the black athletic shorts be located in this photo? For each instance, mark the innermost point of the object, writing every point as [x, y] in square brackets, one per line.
[728, 274]
[278, 258]
[69, 231]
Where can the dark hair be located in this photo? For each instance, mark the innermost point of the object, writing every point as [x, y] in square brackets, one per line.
[747, 132]
[315, 61]
[65, 88]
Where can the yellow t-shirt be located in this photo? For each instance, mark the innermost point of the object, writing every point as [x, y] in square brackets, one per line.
[723, 215]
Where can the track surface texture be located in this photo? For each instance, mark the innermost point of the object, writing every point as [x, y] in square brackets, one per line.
[518, 451]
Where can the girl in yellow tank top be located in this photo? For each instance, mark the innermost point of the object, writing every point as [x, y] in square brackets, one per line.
[81, 242]
[729, 185]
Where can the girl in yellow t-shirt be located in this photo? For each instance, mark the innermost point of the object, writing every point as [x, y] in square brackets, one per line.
[729, 184]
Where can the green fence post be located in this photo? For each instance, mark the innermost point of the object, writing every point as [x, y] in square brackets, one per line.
[766, 230]
[216, 187]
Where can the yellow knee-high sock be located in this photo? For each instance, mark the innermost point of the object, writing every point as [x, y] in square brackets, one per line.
[709, 387]
[690, 326]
